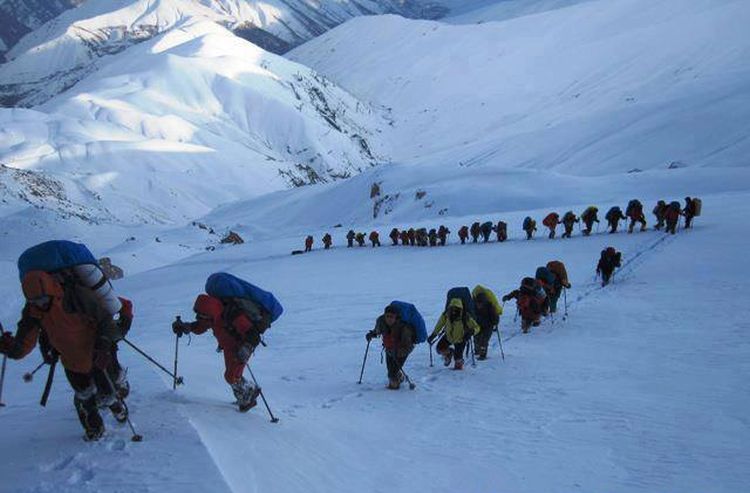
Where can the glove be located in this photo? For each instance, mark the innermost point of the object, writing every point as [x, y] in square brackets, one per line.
[244, 353]
[506, 298]
[102, 354]
[180, 328]
[253, 338]
[126, 316]
[568, 286]
[7, 341]
[468, 335]
[431, 339]
[371, 335]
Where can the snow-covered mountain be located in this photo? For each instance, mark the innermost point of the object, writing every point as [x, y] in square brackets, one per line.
[195, 117]
[637, 86]
[20, 17]
[66, 49]
[545, 105]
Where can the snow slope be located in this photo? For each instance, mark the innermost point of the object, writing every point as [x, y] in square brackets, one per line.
[596, 88]
[479, 11]
[196, 117]
[641, 389]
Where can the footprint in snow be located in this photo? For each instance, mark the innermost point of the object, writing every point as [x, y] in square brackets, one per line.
[58, 465]
[118, 444]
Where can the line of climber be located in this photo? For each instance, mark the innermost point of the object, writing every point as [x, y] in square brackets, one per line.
[667, 217]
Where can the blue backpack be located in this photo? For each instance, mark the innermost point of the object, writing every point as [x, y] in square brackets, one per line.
[527, 223]
[52, 256]
[410, 315]
[223, 285]
[463, 294]
[545, 275]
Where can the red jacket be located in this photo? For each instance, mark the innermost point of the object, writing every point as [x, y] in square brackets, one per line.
[210, 312]
[552, 220]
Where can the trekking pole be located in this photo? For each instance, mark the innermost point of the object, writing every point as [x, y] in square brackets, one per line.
[48, 385]
[473, 357]
[274, 419]
[515, 317]
[2, 379]
[29, 376]
[174, 376]
[362, 372]
[2, 373]
[500, 341]
[430, 355]
[565, 297]
[412, 385]
[136, 437]
[176, 347]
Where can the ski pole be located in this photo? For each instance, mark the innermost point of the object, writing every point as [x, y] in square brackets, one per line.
[136, 437]
[2, 379]
[29, 376]
[362, 372]
[412, 385]
[500, 341]
[274, 419]
[176, 347]
[2, 373]
[48, 385]
[174, 376]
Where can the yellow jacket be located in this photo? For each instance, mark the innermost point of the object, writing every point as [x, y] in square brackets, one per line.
[455, 330]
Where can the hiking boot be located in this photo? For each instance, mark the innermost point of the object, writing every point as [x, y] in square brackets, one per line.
[104, 400]
[394, 384]
[122, 386]
[447, 357]
[90, 419]
[458, 364]
[119, 412]
[482, 355]
[246, 395]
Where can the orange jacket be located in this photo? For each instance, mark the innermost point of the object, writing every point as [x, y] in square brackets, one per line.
[73, 323]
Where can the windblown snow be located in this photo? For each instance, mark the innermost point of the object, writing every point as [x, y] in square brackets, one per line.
[504, 109]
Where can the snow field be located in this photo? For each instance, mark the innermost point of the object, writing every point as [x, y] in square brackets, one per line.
[640, 390]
